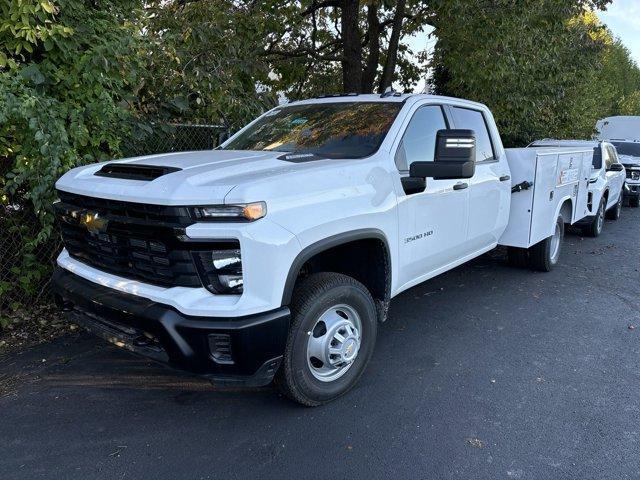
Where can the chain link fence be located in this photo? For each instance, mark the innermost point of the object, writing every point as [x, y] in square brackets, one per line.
[21, 288]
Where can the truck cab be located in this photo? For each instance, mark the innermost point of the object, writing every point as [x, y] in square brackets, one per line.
[275, 256]
[606, 183]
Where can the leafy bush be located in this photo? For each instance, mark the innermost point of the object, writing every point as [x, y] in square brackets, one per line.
[68, 73]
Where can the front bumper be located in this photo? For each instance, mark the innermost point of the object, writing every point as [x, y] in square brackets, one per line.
[229, 351]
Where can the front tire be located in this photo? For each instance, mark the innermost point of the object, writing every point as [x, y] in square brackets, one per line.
[594, 229]
[614, 213]
[634, 202]
[332, 336]
[544, 256]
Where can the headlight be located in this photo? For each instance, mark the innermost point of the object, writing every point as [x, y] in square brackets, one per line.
[221, 269]
[245, 212]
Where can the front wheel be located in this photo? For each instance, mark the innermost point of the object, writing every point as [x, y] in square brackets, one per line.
[594, 229]
[543, 256]
[634, 202]
[616, 210]
[333, 332]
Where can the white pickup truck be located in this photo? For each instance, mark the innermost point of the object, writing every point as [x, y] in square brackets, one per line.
[277, 254]
[629, 155]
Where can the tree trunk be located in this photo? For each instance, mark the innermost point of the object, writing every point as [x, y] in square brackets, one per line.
[369, 75]
[392, 51]
[352, 47]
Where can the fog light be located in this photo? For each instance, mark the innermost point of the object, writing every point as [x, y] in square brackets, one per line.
[221, 269]
[220, 348]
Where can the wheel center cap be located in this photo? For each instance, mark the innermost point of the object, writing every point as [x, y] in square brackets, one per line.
[349, 349]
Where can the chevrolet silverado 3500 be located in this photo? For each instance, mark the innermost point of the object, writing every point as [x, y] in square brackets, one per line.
[277, 254]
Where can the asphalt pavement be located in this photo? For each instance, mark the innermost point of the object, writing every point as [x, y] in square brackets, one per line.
[485, 372]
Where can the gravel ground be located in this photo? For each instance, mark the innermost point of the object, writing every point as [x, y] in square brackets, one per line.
[485, 372]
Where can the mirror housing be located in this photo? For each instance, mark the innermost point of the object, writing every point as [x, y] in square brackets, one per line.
[455, 157]
[616, 167]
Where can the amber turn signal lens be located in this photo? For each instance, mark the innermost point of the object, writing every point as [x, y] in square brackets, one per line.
[254, 211]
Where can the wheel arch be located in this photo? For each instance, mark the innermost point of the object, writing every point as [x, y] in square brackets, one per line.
[566, 210]
[380, 291]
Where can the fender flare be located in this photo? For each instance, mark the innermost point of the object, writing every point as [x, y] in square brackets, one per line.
[325, 244]
[605, 194]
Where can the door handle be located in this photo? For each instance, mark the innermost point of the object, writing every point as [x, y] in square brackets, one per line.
[460, 186]
[504, 178]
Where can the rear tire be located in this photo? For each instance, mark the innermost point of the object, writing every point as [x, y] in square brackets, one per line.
[543, 256]
[616, 210]
[594, 229]
[634, 202]
[332, 336]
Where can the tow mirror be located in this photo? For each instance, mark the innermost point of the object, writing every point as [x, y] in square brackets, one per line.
[454, 158]
[616, 167]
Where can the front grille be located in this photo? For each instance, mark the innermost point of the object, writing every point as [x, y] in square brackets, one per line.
[131, 240]
[633, 172]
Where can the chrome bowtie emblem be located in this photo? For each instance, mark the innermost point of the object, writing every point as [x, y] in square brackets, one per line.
[93, 222]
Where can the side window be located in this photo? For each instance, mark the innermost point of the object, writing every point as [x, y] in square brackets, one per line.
[466, 118]
[608, 158]
[418, 143]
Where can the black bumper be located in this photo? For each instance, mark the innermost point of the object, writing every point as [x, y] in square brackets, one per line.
[229, 351]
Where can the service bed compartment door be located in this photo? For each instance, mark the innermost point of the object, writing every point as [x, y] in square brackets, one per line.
[558, 176]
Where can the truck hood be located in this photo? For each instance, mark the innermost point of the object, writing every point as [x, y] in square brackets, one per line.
[205, 177]
[629, 160]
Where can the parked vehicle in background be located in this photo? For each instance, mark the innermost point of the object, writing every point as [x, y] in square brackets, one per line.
[629, 155]
[620, 127]
[277, 254]
[606, 183]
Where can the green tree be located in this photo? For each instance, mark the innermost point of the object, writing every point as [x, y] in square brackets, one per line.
[534, 62]
[204, 63]
[68, 75]
[354, 46]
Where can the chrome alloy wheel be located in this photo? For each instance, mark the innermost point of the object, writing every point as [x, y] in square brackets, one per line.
[556, 240]
[334, 343]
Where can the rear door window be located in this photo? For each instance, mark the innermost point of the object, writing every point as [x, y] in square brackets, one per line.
[466, 118]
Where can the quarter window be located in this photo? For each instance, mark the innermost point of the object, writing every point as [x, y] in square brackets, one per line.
[418, 143]
[466, 118]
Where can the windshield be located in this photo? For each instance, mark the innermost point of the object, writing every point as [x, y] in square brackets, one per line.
[627, 148]
[330, 130]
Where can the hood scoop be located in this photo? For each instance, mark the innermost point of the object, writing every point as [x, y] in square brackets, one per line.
[131, 171]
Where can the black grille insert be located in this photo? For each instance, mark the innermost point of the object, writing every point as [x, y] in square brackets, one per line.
[131, 240]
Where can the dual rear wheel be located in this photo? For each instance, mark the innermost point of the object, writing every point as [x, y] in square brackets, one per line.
[544, 255]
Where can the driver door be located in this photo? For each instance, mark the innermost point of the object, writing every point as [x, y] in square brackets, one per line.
[432, 221]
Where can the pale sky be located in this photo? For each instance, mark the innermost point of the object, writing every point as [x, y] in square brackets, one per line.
[623, 19]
